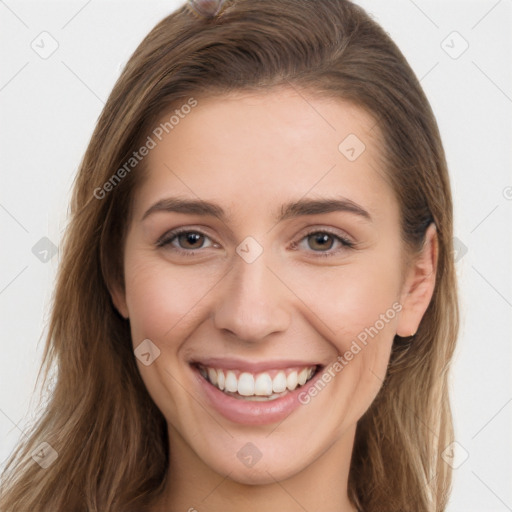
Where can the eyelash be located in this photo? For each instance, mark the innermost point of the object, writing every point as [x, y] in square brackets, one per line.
[169, 237]
[166, 240]
[344, 242]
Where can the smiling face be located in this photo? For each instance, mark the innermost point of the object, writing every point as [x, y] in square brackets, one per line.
[265, 260]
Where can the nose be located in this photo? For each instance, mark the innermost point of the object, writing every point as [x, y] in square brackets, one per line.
[251, 304]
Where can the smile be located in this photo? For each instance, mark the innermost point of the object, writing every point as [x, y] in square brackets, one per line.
[260, 386]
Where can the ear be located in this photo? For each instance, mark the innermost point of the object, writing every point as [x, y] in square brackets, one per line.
[419, 285]
[119, 300]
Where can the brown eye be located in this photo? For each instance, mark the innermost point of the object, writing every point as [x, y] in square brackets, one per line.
[190, 240]
[185, 241]
[320, 241]
[324, 243]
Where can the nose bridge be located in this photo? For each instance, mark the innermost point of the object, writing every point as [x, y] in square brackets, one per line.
[251, 304]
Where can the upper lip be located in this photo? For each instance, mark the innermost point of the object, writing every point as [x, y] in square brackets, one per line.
[251, 366]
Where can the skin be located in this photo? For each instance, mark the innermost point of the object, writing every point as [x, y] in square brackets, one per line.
[250, 153]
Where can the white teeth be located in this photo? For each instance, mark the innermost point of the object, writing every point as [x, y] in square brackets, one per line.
[221, 380]
[303, 376]
[279, 383]
[257, 387]
[246, 384]
[212, 375]
[263, 385]
[292, 381]
[231, 383]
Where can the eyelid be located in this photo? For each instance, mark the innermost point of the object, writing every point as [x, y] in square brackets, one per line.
[346, 243]
[170, 235]
[336, 233]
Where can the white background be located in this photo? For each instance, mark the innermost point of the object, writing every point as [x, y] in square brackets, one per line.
[48, 110]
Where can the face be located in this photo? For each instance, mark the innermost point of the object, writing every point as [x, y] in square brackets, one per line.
[264, 264]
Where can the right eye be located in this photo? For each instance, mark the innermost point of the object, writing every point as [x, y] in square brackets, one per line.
[185, 241]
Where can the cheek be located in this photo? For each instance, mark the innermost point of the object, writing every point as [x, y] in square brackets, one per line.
[162, 297]
[355, 308]
[363, 375]
[363, 314]
[350, 298]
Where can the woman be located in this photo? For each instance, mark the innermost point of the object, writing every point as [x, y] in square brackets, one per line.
[256, 307]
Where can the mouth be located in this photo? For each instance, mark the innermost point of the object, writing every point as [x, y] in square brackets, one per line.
[260, 386]
[254, 393]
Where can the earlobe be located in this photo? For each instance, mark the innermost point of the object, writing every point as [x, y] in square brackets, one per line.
[119, 300]
[419, 285]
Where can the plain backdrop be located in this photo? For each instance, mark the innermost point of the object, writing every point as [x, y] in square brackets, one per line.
[59, 61]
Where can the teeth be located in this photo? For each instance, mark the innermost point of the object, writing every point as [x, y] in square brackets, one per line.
[231, 382]
[246, 384]
[303, 376]
[212, 375]
[221, 380]
[263, 385]
[257, 387]
[292, 381]
[279, 383]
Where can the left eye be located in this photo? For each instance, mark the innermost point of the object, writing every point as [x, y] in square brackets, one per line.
[322, 241]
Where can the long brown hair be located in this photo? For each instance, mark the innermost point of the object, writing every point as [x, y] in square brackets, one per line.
[110, 438]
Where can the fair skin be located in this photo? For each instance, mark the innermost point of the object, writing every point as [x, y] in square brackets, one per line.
[200, 302]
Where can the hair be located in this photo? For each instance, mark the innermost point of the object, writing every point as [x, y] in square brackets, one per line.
[110, 437]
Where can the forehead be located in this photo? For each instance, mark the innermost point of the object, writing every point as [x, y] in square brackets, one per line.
[254, 150]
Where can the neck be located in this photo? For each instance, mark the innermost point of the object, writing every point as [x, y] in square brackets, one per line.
[320, 487]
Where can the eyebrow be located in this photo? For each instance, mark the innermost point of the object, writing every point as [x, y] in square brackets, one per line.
[299, 208]
[318, 206]
[192, 207]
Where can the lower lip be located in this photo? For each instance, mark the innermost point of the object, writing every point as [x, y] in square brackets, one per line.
[247, 412]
